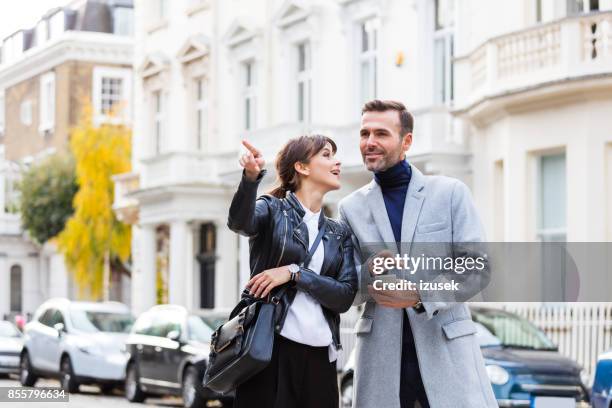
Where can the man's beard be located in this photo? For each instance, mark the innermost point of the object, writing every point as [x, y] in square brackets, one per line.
[383, 163]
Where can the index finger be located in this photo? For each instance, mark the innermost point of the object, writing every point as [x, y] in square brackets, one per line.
[251, 148]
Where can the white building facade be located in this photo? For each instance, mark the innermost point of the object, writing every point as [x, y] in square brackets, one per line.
[517, 108]
[75, 54]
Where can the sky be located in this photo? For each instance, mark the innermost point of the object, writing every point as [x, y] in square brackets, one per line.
[16, 14]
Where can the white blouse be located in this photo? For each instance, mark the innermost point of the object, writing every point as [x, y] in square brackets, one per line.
[305, 322]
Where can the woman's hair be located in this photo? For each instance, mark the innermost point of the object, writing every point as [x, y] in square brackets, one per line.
[300, 149]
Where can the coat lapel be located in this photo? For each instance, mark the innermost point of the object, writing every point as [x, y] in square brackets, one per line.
[376, 204]
[412, 208]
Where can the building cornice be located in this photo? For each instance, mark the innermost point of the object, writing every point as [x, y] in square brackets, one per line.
[538, 96]
[99, 48]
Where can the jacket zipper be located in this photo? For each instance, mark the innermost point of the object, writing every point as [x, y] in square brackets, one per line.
[284, 240]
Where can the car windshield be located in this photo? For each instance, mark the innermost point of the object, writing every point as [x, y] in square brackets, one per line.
[98, 321]
[497, 328]
[198, 329]
[7, 329]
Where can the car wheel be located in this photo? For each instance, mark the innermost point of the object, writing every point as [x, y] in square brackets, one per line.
[26, 374]
[191, 399]
[68, 380]
[133, 392]
[346, 394]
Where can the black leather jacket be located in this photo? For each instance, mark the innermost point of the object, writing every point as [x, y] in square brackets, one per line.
[277, 237]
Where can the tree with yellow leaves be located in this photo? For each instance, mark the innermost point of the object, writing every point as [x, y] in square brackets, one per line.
[94, 241]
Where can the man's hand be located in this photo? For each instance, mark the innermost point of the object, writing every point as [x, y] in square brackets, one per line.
[261, 284]
[394, 298]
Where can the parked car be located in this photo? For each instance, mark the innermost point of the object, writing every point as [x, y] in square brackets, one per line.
[168, 350]
[524, 366]
[601, 392]
[77, 342]
[11, 344]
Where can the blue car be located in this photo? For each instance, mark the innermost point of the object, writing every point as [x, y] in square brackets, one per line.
[601, 396]
[524, 366]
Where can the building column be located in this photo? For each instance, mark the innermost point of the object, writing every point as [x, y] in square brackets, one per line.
[58, 273]
[192, 290]
[5, 286]
[143, 274]
[226, 267]
[179, 257]
[30, 291]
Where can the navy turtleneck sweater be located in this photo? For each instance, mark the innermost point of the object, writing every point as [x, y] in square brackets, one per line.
[394, 184]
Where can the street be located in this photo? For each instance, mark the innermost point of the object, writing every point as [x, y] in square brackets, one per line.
[90, 397]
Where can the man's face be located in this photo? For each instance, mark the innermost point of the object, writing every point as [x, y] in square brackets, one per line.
[380, 142]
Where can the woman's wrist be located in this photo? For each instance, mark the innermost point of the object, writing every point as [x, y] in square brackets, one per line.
[251, 176]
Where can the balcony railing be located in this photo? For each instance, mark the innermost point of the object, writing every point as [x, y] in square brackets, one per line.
[573, 47]
[174, 168]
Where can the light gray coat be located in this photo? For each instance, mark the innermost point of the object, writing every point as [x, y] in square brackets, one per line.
[437, 209]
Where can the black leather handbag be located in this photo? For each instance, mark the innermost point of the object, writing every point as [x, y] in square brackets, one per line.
[242, 347]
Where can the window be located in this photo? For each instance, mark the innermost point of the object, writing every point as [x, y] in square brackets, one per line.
[45, 317]
[56, 318]
[164, 322]
[249, 94]
[94, 321]
[16, 288]
[47, 102]
[25, 112]
[111, 94]
[201, 113]
[123, 21]
[207, 257]
[143, 324]
[304, 83]
[368, 45]
[158, 119]
[443, 51]
[538, 7]
[2, 107]
[552, 198]
[51, 317]
[581, 6]
[198, 330]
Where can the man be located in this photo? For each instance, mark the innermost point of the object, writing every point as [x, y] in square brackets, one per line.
[410, 347]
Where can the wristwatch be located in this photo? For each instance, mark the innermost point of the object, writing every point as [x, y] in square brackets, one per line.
[294, 270]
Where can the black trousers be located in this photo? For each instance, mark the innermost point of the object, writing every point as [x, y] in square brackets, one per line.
[299, 376]
[411, 383]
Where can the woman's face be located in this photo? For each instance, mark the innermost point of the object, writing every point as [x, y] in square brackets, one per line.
[324, 169]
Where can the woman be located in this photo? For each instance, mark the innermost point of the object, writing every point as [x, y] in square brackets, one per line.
[282, 226]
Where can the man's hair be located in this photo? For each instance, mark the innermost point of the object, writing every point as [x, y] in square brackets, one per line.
[405, 117]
